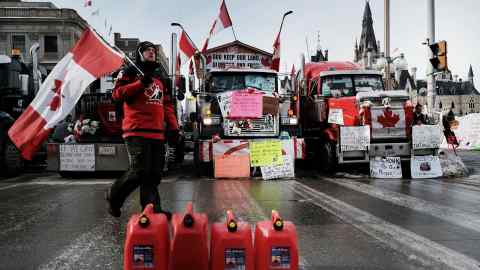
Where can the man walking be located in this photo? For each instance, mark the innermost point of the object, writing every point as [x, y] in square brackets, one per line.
[147, 105]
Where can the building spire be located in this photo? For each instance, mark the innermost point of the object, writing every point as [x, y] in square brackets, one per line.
[470, 75]
[368, 33]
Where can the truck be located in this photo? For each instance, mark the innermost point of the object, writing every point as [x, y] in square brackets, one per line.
[16, 92]
[233, 68]
[335, 96]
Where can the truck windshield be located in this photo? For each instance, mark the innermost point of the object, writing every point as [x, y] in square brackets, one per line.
[225, 82]
[350, 85]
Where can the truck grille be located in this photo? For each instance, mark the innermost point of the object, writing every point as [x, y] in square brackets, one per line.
[265, 126]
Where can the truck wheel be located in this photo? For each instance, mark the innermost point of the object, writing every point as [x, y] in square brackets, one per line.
[328, 157]
[12, 159]
[201, 168]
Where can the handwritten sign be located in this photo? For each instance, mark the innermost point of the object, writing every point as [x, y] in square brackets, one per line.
[426, 136]
[287, 169]
[389, 167]
[426, 167]
[354, 138]
[77, 157]
[335, 116]
[266, 153]
[224, 101]
[246, 105]
[231, 166]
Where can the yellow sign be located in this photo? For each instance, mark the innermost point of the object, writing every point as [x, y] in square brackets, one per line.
[266, 153]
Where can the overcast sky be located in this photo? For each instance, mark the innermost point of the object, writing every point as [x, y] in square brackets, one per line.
[338, 21]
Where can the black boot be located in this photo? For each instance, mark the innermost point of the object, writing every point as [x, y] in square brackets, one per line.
[112, 210]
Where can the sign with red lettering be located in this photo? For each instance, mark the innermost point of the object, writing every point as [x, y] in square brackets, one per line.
[246, 104]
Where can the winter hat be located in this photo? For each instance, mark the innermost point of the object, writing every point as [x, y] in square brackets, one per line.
[142, 46]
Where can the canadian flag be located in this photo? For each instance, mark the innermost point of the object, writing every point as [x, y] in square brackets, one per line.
[88, 3]
[186, 46]
[276, 53]
[221, 22]
[89, 59]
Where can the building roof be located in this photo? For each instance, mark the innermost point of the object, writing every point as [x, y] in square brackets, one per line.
[22, 4]
[451, 88]
[368, 39]
[238, 43]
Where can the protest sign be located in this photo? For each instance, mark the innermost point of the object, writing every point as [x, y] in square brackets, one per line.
[287, 169]
[354, 138]
[426, 167]
[246, 105]
[426, 136]
[224, 101]
[265, 153]
[232, 166]
[389, 167]
[77, 157]
[335, 116]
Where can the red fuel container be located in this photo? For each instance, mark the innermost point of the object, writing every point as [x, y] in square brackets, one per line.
[147, 241]
[231, 245]
[189, 248]
[276, 244]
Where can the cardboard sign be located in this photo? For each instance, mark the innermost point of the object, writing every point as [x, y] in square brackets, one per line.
[426, 136]
[231, 166]
[426, 167]
[266, 153]
[335, 116]
[231, 147]
[224, 101]
[287, 169]
[270, 105]
[354, 138]
[77, 157]
[390, 167]
[246, 105]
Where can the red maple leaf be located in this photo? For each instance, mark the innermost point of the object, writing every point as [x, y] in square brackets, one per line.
[388, 119]
[55, 103]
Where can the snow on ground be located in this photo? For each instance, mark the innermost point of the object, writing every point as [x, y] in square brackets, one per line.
[452, 165]
[468, 132]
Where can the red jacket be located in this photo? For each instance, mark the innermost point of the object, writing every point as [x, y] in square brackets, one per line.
[146, 109]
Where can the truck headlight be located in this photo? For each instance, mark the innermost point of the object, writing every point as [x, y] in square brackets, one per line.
[209, 121]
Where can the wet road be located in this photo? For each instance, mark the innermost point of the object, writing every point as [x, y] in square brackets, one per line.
[48, 222]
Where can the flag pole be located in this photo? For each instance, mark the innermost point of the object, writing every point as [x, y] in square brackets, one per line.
[234, 35]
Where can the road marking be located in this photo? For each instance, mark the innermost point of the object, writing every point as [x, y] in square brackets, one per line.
[448, 214]
[413, 246]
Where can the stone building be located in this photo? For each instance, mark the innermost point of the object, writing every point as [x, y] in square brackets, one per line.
[129, 45]
[368, 53]
[24, 23]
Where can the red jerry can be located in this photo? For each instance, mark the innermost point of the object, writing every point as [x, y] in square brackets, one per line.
[231, 245]
[189, 248]
[276, 244]
[147, 241]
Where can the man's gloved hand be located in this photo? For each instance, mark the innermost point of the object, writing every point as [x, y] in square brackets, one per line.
[146, 79]
[172, 136]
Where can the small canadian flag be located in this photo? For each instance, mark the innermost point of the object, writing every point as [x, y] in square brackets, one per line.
[88, 3]
[90, 59]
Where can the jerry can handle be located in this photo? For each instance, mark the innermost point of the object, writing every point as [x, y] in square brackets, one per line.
[188, 218]
[143, 220]
[231, 223]
[277, 221]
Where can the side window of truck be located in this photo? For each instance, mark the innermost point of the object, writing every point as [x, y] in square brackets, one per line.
[314, 88]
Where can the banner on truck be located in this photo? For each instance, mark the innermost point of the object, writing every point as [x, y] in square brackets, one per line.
[389, 167]
[246, 104]
[354, 138]
[426, 167]
[426, 136]
[335, 116]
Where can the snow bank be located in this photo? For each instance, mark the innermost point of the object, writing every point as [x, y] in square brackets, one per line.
[452, 165]
[468, 132]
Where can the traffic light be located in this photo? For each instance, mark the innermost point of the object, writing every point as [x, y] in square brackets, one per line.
[439, 60]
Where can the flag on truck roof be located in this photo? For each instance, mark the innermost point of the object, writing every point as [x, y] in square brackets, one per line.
[186, 46]
[221, 22]
[89, 59]
[276, 53]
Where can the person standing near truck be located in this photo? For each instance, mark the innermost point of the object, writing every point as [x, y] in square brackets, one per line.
[147, 105]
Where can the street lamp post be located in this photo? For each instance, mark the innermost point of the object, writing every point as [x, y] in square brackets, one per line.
[387, 44]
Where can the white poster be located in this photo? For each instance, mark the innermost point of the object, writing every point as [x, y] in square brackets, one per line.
[224, 101]
[77, 157]
[389, 167]
[335, 116]
[354, 138]
[426, 136]
[287, 169]
[426, 167]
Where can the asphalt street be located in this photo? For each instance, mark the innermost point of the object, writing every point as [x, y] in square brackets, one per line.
[343, 221]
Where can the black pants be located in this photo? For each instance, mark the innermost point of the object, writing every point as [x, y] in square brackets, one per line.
[146, 157]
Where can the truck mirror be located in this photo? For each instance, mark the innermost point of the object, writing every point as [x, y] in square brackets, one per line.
[180, 95]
